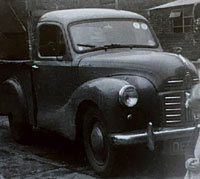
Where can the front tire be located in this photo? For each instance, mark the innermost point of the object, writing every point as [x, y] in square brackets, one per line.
[99, 151]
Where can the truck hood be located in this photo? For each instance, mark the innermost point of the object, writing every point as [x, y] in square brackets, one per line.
[155, 66]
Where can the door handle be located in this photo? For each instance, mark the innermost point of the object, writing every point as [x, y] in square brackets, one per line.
[35, 66]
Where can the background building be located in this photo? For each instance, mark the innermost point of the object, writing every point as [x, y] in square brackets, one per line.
[175, 24]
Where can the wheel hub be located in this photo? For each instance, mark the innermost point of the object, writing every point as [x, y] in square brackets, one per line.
[97, 140]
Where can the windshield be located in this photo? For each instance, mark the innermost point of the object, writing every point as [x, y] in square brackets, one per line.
[111, 34]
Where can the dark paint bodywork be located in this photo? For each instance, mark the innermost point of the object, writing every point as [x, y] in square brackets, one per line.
[52, 90]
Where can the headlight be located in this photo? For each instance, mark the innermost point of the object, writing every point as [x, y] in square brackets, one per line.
[128, 96]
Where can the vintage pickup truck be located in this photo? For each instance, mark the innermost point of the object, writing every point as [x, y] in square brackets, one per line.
[100, 76]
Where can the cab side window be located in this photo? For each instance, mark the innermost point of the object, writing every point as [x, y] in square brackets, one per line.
[51, 41]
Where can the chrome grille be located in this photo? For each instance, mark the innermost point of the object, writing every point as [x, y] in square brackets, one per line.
[175, 95]
[195, 80]
[173, 108]
[179, 83]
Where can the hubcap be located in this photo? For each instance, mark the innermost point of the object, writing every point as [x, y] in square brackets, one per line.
[97, 140]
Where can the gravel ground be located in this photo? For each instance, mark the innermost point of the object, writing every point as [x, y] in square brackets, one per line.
[53, 157]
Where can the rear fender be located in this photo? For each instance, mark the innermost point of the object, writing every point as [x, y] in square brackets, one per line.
[12, 98]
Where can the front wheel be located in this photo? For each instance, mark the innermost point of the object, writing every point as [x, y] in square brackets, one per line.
[99, 151]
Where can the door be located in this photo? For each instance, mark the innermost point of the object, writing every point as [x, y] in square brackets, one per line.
[52, 77]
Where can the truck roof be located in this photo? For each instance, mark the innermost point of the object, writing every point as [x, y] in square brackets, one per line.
[72, 15]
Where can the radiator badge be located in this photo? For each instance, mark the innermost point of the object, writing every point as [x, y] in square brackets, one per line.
[187, 100]
[188, 80]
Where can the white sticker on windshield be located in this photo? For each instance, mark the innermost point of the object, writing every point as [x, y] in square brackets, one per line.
[144, 26]
[136, 25]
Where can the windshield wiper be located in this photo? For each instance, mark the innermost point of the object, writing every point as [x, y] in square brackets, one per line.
[114, 45]
[110, 46]
[124, 46]
[107, 46]
[86, 45]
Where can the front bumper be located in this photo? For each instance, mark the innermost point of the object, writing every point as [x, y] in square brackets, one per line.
[151, 136]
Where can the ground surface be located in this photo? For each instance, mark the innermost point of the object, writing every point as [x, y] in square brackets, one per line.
[53, 157]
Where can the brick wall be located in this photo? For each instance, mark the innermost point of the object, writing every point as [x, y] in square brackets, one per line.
[162, 25]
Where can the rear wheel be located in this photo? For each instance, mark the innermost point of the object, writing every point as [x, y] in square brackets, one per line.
[21, 131]
[99, 151]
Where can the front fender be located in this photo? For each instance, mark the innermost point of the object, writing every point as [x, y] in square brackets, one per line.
[145, 88]
[103, 92]
[149, 102]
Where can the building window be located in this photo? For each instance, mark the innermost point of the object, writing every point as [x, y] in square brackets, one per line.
[182, 20]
